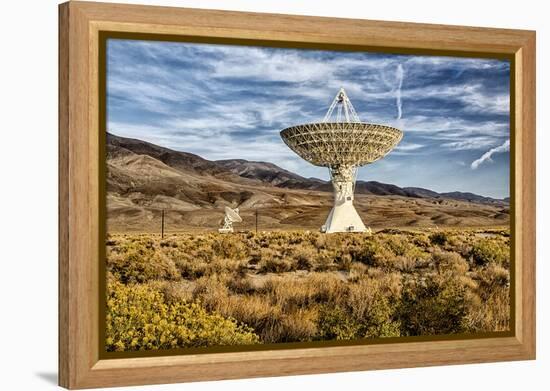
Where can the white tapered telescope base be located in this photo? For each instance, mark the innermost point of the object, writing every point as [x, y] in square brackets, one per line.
[344, 218]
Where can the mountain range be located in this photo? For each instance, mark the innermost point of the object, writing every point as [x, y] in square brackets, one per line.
[143, 178]
[269, 173]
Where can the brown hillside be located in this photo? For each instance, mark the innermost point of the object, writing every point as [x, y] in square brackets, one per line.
[143, 179]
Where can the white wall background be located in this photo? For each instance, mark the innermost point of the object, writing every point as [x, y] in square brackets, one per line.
[28, 194]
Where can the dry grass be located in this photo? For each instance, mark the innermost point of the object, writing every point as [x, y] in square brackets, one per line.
[306, 286]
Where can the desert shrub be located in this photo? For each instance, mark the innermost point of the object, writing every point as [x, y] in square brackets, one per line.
[263, 317]
[170, 242]
[464, 248]
[404, 264]
[254, 257]
[391, 283]
[364, 309]
[327, 287]
[420, 257]
[493, 277]
[446, 261]
[421, 240]
[109, 241]
[320, 242]
[296, 326]
[376, 272]
[211, 292]
[272, 261]
[262, 312]
[439, 238]
[292, 293]
[324, 262]
[344, 262]
[191, 269]
[357, 270]
[436, 306]
[336, 323]
[227, 247]
[486, 251]
[285, 308]
[138, 318]
[304, 257]
[363, 253]
[141, 264]
[176, 291]
[227, 266]
[493, 309]
[390, 252]
[372, 309]
[275, 265]
[398, 244]
[371, 253]
[289, 293]
[456, 242]
[241, 285]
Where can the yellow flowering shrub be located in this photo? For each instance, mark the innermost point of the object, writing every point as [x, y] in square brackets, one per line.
[138, 318]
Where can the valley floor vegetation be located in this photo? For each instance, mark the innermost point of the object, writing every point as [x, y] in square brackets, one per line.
[199, 290]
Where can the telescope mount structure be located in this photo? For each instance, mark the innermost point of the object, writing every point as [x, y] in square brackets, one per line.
[231, 216]
[342, 143]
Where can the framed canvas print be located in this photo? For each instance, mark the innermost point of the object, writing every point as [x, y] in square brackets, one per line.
[247, 195]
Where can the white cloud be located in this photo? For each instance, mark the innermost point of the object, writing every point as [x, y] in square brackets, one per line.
[210, 145]
[474, 97]
[471, 143]
[454, 62]
[399, 76]
[231, 101]
[486, 157]
[408, 146]
[407, 149]
[456, 131]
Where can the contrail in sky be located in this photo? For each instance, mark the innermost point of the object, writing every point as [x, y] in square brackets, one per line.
[399, 75]
[487, 155]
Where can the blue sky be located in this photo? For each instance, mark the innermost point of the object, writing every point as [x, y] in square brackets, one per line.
[225, 102]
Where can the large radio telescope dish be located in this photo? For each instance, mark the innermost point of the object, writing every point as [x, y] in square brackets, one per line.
[231, 216]
[342, 143]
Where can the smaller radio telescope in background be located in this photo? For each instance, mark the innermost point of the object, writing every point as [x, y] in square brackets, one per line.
[231, 216]
[342, 143]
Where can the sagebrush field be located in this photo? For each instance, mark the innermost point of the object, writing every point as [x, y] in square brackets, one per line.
[197, 290]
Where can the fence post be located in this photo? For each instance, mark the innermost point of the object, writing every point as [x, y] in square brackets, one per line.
[162, 225]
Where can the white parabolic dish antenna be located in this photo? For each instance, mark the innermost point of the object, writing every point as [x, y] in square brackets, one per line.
[231, 216]
[342, 143]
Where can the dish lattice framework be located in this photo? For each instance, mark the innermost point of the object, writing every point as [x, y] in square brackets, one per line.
[342, 141]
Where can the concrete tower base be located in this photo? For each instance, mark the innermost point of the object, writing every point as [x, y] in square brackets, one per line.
[343, 217]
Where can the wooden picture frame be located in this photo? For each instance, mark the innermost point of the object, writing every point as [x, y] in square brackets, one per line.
[80, 26]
